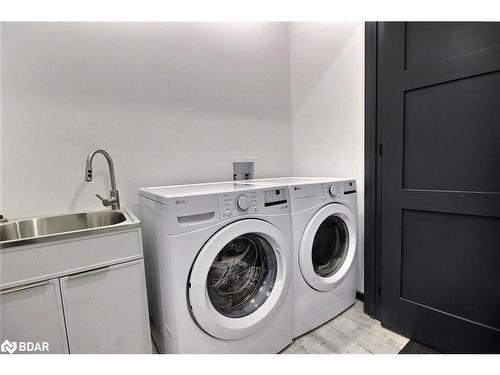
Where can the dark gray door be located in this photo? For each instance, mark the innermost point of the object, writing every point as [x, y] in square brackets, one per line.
[439, 126]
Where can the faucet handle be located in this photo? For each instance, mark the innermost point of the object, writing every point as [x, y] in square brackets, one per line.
[106, 202]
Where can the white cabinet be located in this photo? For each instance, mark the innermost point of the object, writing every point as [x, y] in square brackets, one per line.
[85, 294]
[103, 310]
[33, 313]
[106, 310]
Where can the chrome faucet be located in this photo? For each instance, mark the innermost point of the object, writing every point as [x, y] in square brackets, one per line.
[114, 200]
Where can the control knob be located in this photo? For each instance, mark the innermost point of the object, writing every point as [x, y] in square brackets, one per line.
[331, 190]
[242, 202]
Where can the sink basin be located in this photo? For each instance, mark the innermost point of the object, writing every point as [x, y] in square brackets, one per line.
[43, 248]
[16, 232]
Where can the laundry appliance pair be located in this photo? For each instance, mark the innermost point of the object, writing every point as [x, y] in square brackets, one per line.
[243, 267]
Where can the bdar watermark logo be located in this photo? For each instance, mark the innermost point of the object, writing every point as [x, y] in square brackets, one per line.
[23, 346]
[8, 347]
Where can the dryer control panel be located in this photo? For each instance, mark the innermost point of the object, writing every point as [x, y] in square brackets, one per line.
[338, 189]
[268, 200]
[304, 196]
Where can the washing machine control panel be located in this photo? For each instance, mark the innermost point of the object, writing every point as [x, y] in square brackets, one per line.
[254, 201]
[275, 197]
[242, 202]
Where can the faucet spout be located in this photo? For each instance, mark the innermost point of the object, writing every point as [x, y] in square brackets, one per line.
[114, 201]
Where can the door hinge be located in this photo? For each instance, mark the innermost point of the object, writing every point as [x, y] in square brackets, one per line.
[380, 149]
[379, 290]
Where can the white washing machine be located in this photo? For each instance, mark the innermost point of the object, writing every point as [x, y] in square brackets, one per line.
[325, 229]
[219, 267]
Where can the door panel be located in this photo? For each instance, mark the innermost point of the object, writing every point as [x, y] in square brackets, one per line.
[34, 313]
[106, 310]
[439, 124]
[444, 126]
[453, 252]
[428, 43]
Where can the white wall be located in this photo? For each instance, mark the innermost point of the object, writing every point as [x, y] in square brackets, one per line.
[170, 102]
[327, 96]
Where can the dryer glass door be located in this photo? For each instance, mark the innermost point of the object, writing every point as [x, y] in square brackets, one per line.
[242, 276]
[328, 247]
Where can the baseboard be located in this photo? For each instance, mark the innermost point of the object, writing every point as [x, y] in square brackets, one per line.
[360, 296]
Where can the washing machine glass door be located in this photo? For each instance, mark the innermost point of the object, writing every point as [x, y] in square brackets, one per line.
[328, 247]
[238, 279]
[242, 275]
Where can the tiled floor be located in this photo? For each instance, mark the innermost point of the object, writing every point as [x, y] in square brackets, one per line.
[351, 332]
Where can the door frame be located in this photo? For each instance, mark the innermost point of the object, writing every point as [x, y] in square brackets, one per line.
[373, 151]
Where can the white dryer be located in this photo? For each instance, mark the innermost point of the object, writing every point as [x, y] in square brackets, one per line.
[325, 230]
[218, 263]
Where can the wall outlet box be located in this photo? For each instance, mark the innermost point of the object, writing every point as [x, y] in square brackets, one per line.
[242, 168]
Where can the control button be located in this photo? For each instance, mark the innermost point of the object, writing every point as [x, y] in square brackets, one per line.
[331, 190]
[254, 208]
[242, 202]
[228, 213]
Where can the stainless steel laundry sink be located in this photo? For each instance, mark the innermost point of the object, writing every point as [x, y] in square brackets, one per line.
[45, 228]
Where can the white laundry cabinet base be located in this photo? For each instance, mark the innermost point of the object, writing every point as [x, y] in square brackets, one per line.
[98, 310]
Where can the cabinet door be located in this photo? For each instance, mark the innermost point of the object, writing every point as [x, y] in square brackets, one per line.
[33, 313]
[106, 310]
